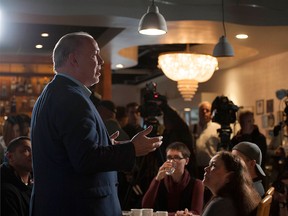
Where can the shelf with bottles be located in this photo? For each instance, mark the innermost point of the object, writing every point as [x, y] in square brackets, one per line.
[21, 86]
[18, 94]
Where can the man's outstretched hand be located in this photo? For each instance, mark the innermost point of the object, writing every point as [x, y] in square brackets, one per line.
[144, 144]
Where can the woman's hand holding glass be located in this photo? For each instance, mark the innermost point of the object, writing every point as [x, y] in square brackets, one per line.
[168, 168]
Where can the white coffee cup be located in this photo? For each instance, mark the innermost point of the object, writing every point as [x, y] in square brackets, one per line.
[161, 213]
[147, 212]
[136, 212]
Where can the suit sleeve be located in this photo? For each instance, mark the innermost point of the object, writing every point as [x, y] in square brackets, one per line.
[86, 140]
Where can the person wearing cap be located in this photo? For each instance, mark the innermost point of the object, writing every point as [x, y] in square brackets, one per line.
[16, 181]
[252, 156]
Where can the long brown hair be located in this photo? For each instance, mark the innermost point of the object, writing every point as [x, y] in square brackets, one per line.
[240, 186]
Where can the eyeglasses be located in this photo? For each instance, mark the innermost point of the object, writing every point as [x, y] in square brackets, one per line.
[175, 158]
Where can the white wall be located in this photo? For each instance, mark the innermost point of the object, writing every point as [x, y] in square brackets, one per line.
[243, 85]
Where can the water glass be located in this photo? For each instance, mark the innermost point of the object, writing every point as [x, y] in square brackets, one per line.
[171, 170]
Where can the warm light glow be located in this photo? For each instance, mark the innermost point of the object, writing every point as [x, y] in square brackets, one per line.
[187, 88]
[119, 66]
[44, 34]
[188, 69]
[241, 36]
[39, 46]
[152, 32]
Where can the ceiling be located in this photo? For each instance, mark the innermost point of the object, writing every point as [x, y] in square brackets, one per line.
[114, 25]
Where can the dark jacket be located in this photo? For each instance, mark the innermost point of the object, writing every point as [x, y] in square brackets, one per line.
[255, 137]
[74, 161]
[15, 195]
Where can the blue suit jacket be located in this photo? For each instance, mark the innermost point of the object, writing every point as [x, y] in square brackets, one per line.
[74, 162]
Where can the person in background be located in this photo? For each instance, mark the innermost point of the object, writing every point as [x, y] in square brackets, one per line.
[16, 180]
[178, 190]
[206, 136]
[75, 162]
[108, 112]
[121, 116]
[24, 124]
[249, 132]
[252, 156]
[134, 119]
[231, 185]
[11, 130]
[279, 205]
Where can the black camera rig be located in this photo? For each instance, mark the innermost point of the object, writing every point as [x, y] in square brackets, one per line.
[224, 112]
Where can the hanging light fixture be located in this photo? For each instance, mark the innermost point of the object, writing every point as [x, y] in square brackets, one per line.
[188, 69]
[223, 48]
[152, 22]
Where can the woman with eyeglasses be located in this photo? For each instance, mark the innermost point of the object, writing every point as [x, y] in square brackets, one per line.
[173, 188]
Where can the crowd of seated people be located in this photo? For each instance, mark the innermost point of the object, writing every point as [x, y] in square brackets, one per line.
[181, 193]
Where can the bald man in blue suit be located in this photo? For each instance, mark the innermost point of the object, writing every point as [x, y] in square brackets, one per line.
[75, 162]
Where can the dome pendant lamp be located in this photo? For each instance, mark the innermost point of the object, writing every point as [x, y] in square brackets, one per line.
[152, 22]
[223, 48]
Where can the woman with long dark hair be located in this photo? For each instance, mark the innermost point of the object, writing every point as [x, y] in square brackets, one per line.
[231, 185]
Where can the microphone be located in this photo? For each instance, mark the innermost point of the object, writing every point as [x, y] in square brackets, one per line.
[281, 93]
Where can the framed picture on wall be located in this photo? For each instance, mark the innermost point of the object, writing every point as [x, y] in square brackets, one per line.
[260, 107]
[269, 106]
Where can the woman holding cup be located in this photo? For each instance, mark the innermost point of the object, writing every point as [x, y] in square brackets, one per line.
[173, 188]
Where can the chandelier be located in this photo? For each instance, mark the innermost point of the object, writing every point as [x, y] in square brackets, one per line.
[188, 69]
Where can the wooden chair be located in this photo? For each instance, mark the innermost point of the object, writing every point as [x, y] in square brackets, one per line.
[263, 208]
[270, 191]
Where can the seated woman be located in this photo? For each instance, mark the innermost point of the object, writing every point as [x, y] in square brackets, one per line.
[231, 185]
[172, 192]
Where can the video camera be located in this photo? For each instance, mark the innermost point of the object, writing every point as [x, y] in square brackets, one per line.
[152, 101]
[224, 112]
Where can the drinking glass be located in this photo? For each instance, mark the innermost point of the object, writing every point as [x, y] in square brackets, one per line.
[171, 170]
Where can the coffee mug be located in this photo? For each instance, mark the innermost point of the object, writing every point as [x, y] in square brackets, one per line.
[161, 213]
[147, 212]
[136, 212]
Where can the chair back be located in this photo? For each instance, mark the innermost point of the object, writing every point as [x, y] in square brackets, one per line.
[263, 208]
[270, 191]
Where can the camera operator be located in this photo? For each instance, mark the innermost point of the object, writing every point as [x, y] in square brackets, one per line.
[175, 128]
[249, 132]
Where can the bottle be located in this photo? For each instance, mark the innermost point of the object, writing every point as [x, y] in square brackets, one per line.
[38, 87]
[4, 90]
[29, 87]
[13, 85]
[31, 102]
[13, 104]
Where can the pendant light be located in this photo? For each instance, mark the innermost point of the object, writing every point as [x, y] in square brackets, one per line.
[223, 48]
[188, 69]
[152, 22]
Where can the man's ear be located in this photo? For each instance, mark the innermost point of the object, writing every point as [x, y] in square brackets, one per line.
[9, 156]
[72, 59]
[253, 163]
